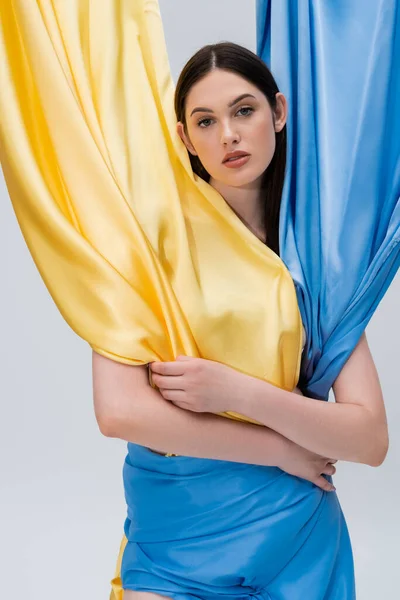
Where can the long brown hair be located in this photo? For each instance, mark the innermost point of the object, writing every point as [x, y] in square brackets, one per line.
[243, 62]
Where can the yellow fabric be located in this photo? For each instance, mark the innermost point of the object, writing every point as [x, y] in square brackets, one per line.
[144, 259]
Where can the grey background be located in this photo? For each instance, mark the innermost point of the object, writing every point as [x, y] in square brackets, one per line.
[62, 502]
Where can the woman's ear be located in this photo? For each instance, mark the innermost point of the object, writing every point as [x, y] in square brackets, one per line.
[280, 111]
[181, 132]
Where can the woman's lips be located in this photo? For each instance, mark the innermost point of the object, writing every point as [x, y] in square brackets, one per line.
[237, 162]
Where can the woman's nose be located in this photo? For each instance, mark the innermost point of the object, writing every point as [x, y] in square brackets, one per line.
[229, 134]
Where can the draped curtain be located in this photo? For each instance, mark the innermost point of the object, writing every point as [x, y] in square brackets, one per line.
[338, 64]
[144, 260]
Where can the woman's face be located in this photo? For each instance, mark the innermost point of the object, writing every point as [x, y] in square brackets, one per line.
[219, 122]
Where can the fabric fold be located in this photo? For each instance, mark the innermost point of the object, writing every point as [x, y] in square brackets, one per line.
[338, 66]
[144, 260]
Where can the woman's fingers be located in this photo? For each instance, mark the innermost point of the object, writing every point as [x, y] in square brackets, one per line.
[324, 484]
[329, 469]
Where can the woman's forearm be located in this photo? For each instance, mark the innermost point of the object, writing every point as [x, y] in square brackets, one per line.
[153, 422]
[346, 431]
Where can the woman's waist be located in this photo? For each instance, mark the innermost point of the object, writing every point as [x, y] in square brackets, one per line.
[186, 496]
[162, 452]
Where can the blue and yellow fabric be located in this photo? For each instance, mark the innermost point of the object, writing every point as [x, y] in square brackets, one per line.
[125, 237]
[144, 260]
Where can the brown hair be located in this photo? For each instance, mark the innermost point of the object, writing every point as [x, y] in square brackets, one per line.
[238, 59]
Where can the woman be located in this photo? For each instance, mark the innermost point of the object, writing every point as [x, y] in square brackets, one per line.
[222, 518]
[172, 267]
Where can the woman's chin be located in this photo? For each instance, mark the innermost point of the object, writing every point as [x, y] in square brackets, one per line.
[244, 179]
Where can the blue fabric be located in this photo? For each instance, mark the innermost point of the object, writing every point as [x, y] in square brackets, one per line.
[338, 64]
[206, 529]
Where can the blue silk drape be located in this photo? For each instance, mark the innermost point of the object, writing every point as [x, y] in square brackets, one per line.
[338, 64]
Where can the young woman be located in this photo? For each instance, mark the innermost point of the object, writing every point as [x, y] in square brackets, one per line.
[217, 508]
[176, 282]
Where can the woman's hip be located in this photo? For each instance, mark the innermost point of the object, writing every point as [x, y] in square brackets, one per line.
[171, 498]
[224, 528]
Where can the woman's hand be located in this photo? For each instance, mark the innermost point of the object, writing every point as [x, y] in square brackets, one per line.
[305, 464]
[202, 385]
[199, 385]
[302, 463]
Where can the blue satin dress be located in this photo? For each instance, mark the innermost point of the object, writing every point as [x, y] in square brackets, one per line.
[208, 529]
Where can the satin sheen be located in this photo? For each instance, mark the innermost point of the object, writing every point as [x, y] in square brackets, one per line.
[201, 529]
[146, 261]
[338, 64]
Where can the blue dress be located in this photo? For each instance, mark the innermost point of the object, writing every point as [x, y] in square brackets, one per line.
[205, 529]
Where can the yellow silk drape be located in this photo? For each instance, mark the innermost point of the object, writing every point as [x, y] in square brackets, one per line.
[144, 260]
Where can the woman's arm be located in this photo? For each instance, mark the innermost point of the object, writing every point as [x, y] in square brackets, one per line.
[354, 428]
[127, 407]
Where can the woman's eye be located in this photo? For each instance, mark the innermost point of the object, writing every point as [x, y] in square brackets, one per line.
[203, 121]
[246, 108]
